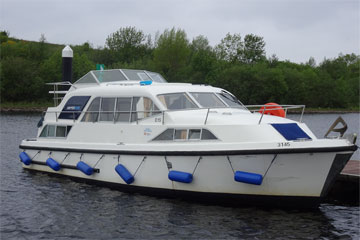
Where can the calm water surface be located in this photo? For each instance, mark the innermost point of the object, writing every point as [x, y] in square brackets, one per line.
[39, 206]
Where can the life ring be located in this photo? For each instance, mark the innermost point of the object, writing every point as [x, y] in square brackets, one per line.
[273, 109]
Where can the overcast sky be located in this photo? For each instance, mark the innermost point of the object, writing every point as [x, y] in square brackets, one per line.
[293, 30]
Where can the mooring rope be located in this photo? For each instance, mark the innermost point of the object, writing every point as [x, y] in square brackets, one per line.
[98, 160]
[272, 161]
[197, 164]
[228, 158]
[35, 154]
[168, 164]
[140, 165]
[65, 157]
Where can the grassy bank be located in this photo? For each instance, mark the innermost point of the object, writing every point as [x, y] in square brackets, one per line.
[25, 106]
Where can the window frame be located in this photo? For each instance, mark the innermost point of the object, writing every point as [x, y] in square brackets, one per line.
[212, 93]
[67, 130]
[152, 112]
[187, 139]
[188, 97]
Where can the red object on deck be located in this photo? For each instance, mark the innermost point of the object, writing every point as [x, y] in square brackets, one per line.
[273, 109]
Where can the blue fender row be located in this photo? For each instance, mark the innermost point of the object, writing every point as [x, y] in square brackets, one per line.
[178, 176]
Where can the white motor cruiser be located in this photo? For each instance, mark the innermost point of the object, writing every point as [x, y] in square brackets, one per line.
[132, 129]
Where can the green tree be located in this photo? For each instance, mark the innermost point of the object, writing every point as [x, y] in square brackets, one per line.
[20, 80]
[172, 54]
[230, 48]
[254, 49]
[127, 44]
[202, 62]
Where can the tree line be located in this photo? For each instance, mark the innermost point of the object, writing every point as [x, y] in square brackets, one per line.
[238, 64]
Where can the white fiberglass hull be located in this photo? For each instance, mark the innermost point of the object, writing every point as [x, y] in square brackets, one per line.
[285, 174]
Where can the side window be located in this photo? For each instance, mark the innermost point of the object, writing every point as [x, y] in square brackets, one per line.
[44, 131]
[167, 135]
[123, 106]
[180, 134]
[92, 112]
[60, 131]
[74, 107]
[143, 107]
[107, 109]
[52, 131]
[127, 109]
[194, 134]
[171, 134]
[206, 135]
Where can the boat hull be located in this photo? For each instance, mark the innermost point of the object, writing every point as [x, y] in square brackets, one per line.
[287, 178]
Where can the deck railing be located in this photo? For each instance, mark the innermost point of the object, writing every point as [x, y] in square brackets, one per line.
[133, 115]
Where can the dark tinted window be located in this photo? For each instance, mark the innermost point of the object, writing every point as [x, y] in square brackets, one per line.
[74, 107]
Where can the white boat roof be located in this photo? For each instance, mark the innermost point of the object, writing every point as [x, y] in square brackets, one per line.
[119, 75]
[131, 82]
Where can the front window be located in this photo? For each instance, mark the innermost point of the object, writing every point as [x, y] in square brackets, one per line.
[176, 101]
[230, 100]
[207, 100]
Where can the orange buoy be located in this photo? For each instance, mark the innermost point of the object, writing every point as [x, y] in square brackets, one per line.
[273, 109]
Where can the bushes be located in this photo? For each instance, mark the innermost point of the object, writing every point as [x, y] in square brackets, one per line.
[237, 65]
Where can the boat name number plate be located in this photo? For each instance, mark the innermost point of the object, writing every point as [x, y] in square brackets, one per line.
[283, 144]
[157, 119]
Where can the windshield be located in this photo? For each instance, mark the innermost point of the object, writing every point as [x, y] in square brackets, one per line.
[207, 100]
[176, 101]
[230, 100]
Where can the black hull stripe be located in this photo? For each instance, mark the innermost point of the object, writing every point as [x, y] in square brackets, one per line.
[197, 153]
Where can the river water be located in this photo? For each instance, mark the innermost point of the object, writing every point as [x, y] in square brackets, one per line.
[40, 206]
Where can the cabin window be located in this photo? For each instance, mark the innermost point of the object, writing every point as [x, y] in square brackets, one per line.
[207, 100]
[124, 109]
[180, 134]
[207, 135]
[60, 131]
[92, 112]
[74, 107]
[123, 106]
[143, 107]
[167, 135]
[172, 134]
[176, 101]
[53, 131]
[194, 134]
[107, 109]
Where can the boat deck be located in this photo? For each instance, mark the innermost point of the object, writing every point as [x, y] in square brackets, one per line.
[346, 188]
[352, 168]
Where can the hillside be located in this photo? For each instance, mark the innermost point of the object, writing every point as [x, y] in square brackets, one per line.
[236, 64]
